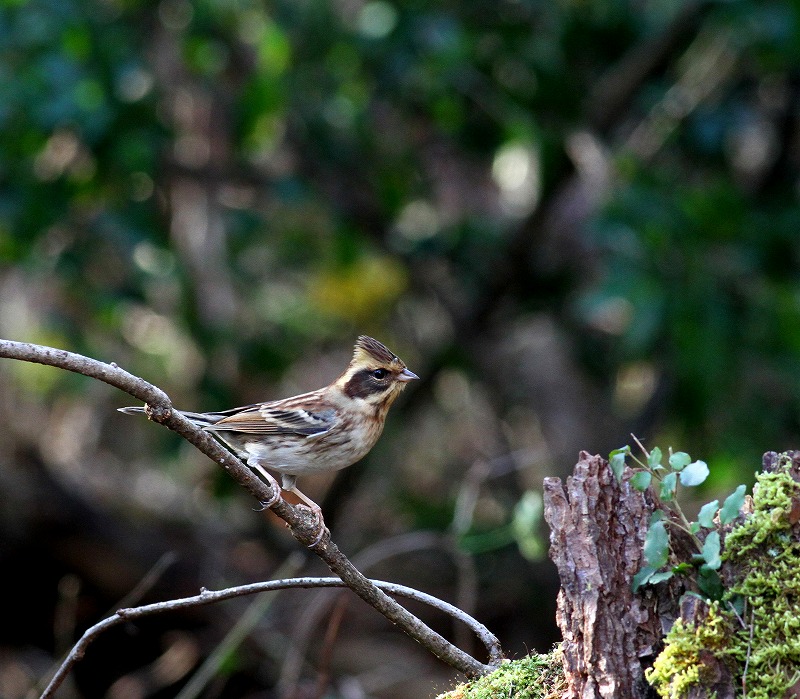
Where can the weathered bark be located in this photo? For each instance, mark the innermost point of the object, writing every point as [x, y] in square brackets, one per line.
[598, 527]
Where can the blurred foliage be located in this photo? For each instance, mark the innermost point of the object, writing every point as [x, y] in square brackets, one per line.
[574, 220]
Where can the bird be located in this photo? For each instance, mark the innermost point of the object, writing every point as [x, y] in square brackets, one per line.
[315, 432]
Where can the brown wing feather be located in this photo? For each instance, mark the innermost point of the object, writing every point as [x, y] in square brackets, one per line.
[289, 416]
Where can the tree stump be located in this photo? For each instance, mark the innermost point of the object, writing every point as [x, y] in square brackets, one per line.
[598, 526]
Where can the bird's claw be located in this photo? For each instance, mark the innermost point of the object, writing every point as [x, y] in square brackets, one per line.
[319, 523]
[266, 504]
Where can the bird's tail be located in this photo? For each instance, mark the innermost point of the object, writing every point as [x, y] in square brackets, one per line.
[199, 419]
[132, 410]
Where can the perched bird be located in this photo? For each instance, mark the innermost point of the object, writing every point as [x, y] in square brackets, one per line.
[323, 430]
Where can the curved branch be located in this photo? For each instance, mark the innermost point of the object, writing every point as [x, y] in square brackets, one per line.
[302, 524]
[208, 597]
[319, 606]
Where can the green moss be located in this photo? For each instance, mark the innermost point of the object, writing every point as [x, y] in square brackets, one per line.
[534, 677]
[769, 523]
[766, 552]
[679, 667]
[769, 554]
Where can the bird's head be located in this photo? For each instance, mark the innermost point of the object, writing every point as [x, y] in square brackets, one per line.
[375, 374]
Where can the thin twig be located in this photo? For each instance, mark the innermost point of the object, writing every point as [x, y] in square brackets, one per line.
[303, 524]
[209, 597]
[641, 446]
[737, 615]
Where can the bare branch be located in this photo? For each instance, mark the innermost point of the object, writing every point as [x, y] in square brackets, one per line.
[302, 524]
[209, 597]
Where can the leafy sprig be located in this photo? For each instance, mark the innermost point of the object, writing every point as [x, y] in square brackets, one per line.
[679, 470]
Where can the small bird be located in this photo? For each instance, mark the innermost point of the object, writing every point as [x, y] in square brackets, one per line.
[323, 430]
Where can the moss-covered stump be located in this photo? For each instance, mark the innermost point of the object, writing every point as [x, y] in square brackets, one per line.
[755, 631]
[598, 526]
[697, 661]
[534, 677]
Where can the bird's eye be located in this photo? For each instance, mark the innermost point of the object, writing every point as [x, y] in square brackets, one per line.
[379, 373]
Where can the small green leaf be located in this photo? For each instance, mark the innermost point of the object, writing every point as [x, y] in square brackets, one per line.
[660, 577]
[694, 527]
[682, 568]
[622, 450]
[737, 602]
[642, 577]
[668, 486]
[657, 516]
[709, 583]
[655, 458]
[694, 474]
[706, 515]
[732, 505]
[711, 551]
[616, 459]
[656, 545]
[679, 460]
[641, 480]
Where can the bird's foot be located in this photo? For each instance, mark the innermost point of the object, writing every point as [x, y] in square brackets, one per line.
[316, 510]
[319, 522]
[276, 489]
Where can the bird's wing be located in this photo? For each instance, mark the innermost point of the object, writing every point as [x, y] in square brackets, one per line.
[279, 417]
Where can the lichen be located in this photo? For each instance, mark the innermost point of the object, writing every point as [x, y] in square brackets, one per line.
[533, 677]
[764, 638]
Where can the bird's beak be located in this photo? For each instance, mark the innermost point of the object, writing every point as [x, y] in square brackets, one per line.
[406, 375]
